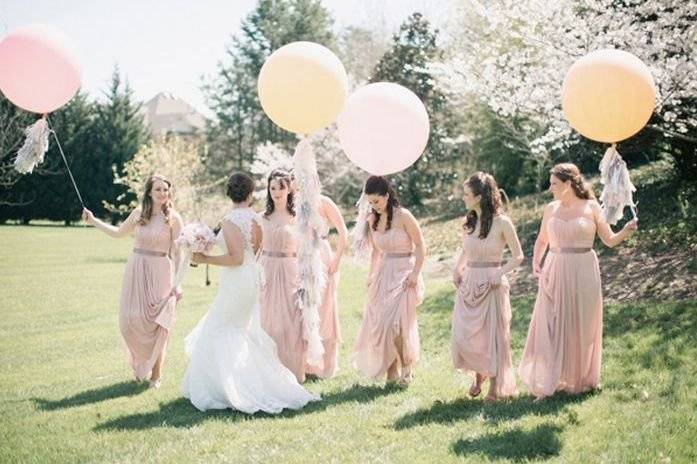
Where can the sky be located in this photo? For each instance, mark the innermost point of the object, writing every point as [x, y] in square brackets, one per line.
[170, 46]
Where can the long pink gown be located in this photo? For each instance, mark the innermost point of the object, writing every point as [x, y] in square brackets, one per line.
[281, 317]
[564, 343]
[329, 319]
[146, 313]
[481, 323]
[389, 317]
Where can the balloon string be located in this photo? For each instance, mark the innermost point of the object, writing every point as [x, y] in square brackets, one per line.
[79, 197]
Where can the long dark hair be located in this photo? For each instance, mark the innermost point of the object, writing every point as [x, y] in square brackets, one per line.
[284, 178]
[484, 185]
[569, 171]
[377, 185]
[147, 204]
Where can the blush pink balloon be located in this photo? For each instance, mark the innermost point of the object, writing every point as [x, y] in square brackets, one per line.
[383, 128]
[39, 70]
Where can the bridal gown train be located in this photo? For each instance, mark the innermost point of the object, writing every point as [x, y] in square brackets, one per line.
[233, 363]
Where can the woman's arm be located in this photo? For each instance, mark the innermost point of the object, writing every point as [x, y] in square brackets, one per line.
[459, 264]
[375, 253]
[257, 237]
[607, 236]
[541, 242]
[414, 231]
[336, 220]
[235, 255]
[177, 225]
[122, 230]
[511, 237]
[174, 249]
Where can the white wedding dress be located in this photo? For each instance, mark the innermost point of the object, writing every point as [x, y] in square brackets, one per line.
[232, 361]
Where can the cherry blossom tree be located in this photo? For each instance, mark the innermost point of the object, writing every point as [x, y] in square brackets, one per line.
[513, 55]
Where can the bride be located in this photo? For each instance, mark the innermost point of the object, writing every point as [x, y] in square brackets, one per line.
[232, 361]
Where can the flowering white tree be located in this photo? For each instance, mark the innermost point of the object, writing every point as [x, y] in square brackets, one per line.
[340, 178]
[181, 161]
[513, 56]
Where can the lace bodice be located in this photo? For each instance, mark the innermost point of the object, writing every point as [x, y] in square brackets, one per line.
[243, 219]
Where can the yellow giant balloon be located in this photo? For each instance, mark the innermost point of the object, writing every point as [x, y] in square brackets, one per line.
[302, 87]
[608, 95]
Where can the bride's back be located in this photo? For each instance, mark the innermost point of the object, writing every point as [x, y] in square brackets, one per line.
[238, 293]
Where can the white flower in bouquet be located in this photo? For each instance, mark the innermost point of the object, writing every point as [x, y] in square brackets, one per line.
[196, 237]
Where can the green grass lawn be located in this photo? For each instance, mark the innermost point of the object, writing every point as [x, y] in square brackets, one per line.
[66, 393]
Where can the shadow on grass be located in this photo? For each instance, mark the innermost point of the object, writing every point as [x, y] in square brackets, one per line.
[674, 322]
[181, 413]
[464, 408]
[96, 395]
[542, 442]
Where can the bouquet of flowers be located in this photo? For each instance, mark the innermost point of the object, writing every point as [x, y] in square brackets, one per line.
[195, 237]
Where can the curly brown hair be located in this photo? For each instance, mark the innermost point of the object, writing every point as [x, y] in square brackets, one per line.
[483, 185]
[284, 178]
[570, 172]
[147, 204]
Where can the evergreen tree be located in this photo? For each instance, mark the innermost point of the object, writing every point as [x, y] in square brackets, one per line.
[405, 63]
[118, 132]
[97, 139]
[13, 121]
[241, 124]
[47, 193]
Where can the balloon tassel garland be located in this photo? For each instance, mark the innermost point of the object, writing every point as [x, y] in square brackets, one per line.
[39, 72]
[302, 88]
[35, 147]
[617, 186]
[360, 234]
[311, 228]
[608, 96]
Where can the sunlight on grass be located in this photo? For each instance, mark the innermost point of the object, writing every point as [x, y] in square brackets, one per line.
[67, 396]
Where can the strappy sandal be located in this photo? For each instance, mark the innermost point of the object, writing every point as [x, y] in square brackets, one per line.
[476, 387]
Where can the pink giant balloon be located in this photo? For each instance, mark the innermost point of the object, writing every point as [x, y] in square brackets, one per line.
[39, 70]
[383, 128]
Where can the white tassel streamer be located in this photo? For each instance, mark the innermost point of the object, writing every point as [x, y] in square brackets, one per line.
[360, 234]
[34, 148]
[617, 186]
[310, 228]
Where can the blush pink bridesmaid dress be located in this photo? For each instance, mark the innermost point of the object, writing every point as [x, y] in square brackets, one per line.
[481, 334]
[146, 313]
[563, 348]
[281, 317]
[389, 316]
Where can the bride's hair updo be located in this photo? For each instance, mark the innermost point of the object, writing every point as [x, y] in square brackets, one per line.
[239, 187]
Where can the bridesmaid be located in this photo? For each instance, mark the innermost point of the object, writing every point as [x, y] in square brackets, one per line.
[563, 348]
[388, 340]
[281, 317]
[482, 315]
[328, 311]
[147, 303]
